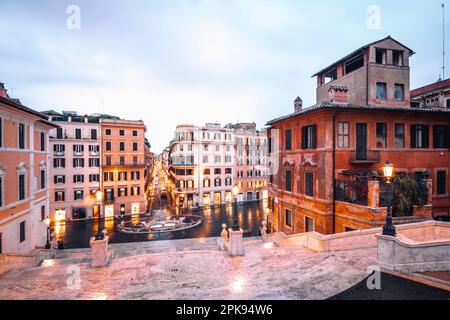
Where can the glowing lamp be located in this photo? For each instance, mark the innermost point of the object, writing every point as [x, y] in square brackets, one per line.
[235, 191]
[388, 170]
[47, 222]
[99, 195]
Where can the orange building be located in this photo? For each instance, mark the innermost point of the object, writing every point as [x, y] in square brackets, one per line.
[24, 184]
[326, 159]
[123, 166]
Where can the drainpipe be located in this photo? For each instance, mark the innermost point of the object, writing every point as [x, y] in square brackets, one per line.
[334, 171]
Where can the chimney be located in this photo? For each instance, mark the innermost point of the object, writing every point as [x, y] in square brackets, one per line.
[3, 91]
[298, 105]
[338, 94]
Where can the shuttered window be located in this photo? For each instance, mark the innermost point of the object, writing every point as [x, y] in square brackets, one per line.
[288, 181]
[309, 137]
[309, 179]
[441, 137]
[441, 187]
[420, 136]
[288, 139]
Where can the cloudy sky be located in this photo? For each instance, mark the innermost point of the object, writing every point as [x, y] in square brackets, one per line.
[197, 61]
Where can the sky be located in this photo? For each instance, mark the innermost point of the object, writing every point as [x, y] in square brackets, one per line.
[197, 61]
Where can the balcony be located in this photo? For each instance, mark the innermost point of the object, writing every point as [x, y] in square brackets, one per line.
[59, 154]
[94, 153]
[365, 157]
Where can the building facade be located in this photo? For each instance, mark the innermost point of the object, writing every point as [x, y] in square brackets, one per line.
[24, 170]
[206, 162]
[326, 160]
[75, 166]
[124, 167]
[435, 95]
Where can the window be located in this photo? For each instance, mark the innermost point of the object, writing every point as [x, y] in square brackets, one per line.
[1, 250]
[205, 159]
[94, 148]
[309, 224]
[1, 191]
[218, 171]
[381, 91]
[108, 146]
[59, 179]
[122, 192]
[381, 141]
[108, 160]
[288, 185]
[441, 182]
[399, 92]
[60, 196]
[399, 139]
[419, 136]
[22, 231]
[343, 135]
[59, 133]
[93, 134]
[135, 191]
[122, 146]
[123, 176]
[78, 163]
[135, 175]
[122, 133]
[108, 132]
[228, 181]
[309, 140]
[217, 182]
[108, 176]
[288, 139]
[78, 178]
[398, 58]
[217, 148]
[329, 76]
[78, 134]
[42, 141]
[380, 56]
[94, 162]
[94, 178]
[135, 160]
[288, 218]
[43, 178]
[207, 172]
[21, 136]
[309, 179]
[78, 148]
[135, 146]
[43, 214]
[354, 64]
[21, 179]
[78, 195]
[59, 149]
[206, 183]
[228, 171]
[1, 134]
[217, 159]
[227, 159]
[122, 160]
[59, 163]
[135, 133]
[441, 137]
[448, 103]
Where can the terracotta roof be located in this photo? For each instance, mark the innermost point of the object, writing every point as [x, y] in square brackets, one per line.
[445, 84]
[354, 107]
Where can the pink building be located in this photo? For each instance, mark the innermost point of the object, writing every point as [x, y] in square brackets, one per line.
[75, 166]
[24, 168]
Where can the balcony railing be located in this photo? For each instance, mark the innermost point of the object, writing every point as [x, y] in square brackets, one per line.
[365, 157]
[59, 154]
[355, 192]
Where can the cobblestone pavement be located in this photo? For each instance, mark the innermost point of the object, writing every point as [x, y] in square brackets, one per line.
[263, 273]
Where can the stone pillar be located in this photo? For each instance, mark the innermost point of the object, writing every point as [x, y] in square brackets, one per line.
[429, 191]
[373, 194]
[236, 243]
[264, 236]
[224, 233]
[99, 252]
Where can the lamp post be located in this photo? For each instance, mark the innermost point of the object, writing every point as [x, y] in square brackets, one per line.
[235, 217]
[100, 235]
[47, 245]
[389, 228]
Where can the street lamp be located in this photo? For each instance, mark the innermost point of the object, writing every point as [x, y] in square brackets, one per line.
[47, 245]
[235, 217]
[100, 235]
[389, 228]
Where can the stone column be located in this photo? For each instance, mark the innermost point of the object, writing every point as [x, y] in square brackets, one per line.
[99, 252]
[373, 194]
[236, 243]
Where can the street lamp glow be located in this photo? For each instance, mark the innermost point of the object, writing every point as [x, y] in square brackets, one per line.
[47, 221]
[388, 170]
[99, 195]
[235, 191]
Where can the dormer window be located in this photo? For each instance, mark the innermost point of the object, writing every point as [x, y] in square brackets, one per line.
[398, 58]
[380, 56]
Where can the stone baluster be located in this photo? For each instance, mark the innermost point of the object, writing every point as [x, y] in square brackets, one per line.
[224, 233]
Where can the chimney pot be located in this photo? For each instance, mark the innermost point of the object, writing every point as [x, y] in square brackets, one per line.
[3, 91]
[298, 105]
